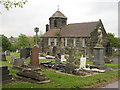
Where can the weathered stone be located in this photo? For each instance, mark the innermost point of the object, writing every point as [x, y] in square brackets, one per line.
[99, 56]
[4, 57]
[69, 68]
[32, 75]
[17, 62]
[25, 53]
[5, 73]
[7, 53]
[34, 60]
[54, 51]
[108, 60]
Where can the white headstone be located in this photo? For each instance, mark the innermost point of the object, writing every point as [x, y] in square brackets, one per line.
[63, 58]
[82, 62]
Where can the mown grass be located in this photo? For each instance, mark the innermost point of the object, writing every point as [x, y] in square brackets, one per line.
[113, 65]
[66, 81]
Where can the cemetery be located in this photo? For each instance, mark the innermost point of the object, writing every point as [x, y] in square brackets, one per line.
[37, 72]
[31, 67]
[77, 55]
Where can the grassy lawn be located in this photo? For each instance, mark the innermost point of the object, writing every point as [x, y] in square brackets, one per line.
[66, 81]
[61, 80]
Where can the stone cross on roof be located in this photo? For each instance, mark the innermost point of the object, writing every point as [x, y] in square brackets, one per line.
[58, 8]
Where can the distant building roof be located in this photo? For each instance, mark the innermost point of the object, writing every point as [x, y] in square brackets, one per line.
[58, 14]
[73, 30]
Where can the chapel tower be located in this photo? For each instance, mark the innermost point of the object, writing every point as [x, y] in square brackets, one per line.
[57, 20]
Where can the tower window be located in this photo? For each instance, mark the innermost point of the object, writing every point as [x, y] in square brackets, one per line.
[55, 23]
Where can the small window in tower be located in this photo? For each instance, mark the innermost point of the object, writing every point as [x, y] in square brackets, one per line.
[55, 23]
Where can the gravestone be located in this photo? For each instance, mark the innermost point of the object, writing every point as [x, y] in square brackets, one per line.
[71, 57]
[34, 60]
[99, 56]
[57, 60]
[69, 68]
[17, 62]
[99, 49]
[82, 62]
[7, 53]
[63, 58]
[54, 50]
[5, 73]
[25, 53]
[3, 57]
[32, 75]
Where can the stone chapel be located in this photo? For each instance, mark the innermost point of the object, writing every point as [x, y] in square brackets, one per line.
[80, 36]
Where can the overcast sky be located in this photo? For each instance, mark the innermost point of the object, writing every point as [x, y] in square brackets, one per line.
[36, 13]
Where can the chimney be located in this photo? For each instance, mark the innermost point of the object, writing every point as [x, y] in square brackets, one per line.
[47, 27]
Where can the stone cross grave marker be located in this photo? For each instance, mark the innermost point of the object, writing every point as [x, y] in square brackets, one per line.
[34, 61]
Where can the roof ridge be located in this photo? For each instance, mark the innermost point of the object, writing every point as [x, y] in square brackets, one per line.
[58, 14]
[84, 22]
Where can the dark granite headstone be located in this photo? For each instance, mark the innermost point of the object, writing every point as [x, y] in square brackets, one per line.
[4, 57]
[25, 53]
[5, 73]
[99, 56]
[54, 50]
[69, 68]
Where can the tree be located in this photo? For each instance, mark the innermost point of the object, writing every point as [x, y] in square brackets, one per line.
[6, 45]
[114, 41]
[23, 41]
[10, 4]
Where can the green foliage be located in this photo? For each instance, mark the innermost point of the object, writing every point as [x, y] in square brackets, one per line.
[36, 38]
[57, 33]
[114, 41]
[23, 41]
[10, 4]
[6, 45]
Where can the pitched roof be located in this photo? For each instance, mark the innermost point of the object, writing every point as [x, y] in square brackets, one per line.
[51, 33]
[58, 14]
[74, 30]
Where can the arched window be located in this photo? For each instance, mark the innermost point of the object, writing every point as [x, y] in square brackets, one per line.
[55, 23]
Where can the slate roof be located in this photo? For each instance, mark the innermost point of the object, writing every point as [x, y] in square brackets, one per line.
[58, 14]
[73, 30]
